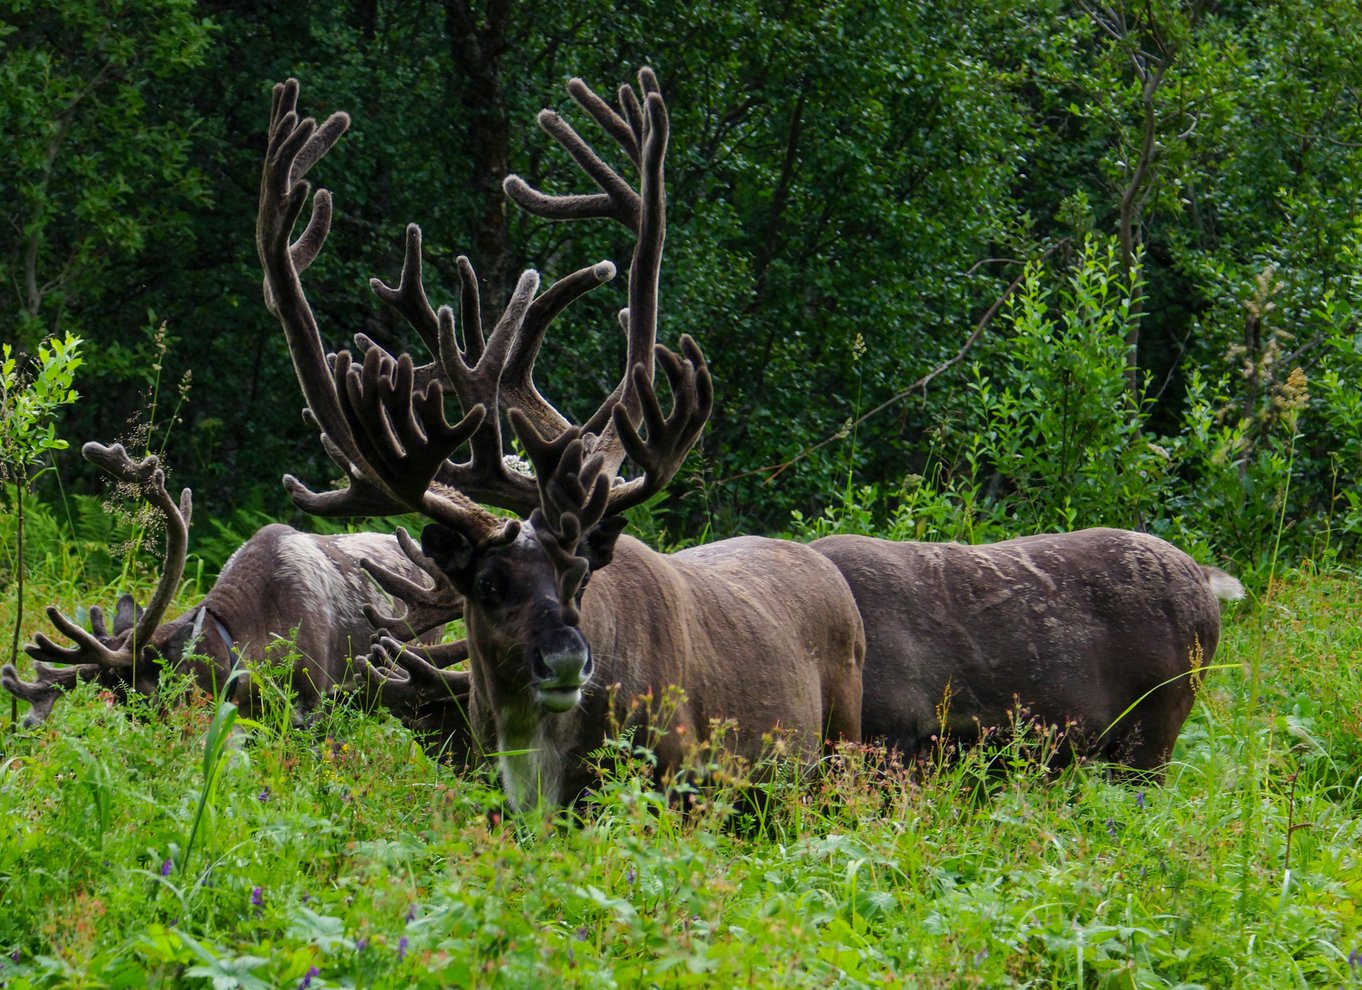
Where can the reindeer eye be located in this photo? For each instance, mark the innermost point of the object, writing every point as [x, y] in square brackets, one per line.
[488, 589]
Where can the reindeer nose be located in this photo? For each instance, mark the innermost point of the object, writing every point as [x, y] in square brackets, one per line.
[560, 675]
[569, 667]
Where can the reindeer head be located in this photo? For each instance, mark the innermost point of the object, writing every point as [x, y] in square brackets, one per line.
[382, 419]
[131, 656]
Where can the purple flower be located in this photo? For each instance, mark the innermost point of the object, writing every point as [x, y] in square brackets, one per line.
[307, 977]
[411, 914]
[581, 934]
[1354, 960]
[166, 867]
[264, 795]
[15, 956]
[1139, 799]
[361, 943]
[1111, 828]
[257, 897]
[630, 877]
[402, 947]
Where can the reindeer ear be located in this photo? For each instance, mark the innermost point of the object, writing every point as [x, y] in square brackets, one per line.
[185, 639]
[598, 544]
[450, 550]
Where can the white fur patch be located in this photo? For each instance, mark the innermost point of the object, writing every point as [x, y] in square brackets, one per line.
[329, 595]
[531, 770]
[1223, 586]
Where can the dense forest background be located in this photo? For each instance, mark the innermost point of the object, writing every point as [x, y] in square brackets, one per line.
[1140, 219]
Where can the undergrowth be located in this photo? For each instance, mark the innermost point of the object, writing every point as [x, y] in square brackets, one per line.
[342, 856]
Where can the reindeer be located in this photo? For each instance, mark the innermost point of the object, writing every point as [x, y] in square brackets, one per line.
[563, 612]
[1099, 632]
[305, 591]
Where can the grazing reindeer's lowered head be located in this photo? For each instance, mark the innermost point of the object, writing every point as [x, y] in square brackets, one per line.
[131, 655]
[561, 609]
[305, 591]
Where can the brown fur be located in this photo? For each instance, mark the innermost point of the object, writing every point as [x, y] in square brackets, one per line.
[280, 586]
[763, 632]
[1073, 627]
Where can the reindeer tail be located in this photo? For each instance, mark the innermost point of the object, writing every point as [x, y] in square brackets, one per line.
[1224, 586]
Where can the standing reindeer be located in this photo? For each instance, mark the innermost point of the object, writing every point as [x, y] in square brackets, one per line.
[562, 611]
[1098, 632]
[306, 590]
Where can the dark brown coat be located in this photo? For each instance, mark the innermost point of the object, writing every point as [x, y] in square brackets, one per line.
[1071, 627]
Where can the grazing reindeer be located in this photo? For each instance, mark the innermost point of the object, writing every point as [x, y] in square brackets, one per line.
[562, 611]
[278, 585]
[1101, 631]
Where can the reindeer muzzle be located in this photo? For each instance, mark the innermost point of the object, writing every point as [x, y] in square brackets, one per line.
[559, 677]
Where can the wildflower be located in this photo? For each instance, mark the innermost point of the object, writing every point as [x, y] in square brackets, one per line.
[581, 934]
[257, 897]
[411, 914]
[630, 877]
[361, 943]
[264, 795]
[1354, 961]
[1139, 799]
[307, 977]
[402, 947]
[1111, 828]
[166, 867]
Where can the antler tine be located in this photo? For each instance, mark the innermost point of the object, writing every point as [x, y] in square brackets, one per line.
[410, 301]
[671, 437]
[573, 497]
[473, 369]
[641, 128]
[51, 684]
[147, 475]
[397, 672]
[426, 607]
[295, 146]
[105, 653]
[518, 390]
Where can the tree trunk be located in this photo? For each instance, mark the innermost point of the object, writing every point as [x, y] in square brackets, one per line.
[476, 48]
[22, 483]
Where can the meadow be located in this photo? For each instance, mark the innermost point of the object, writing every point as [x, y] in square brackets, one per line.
[182, 845]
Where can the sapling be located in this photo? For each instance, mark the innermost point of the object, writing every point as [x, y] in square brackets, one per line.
[31, 392]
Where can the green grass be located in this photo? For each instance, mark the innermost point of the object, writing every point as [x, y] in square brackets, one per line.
[345, 853]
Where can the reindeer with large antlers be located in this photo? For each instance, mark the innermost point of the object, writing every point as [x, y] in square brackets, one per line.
[562, 611]
[281, 586]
